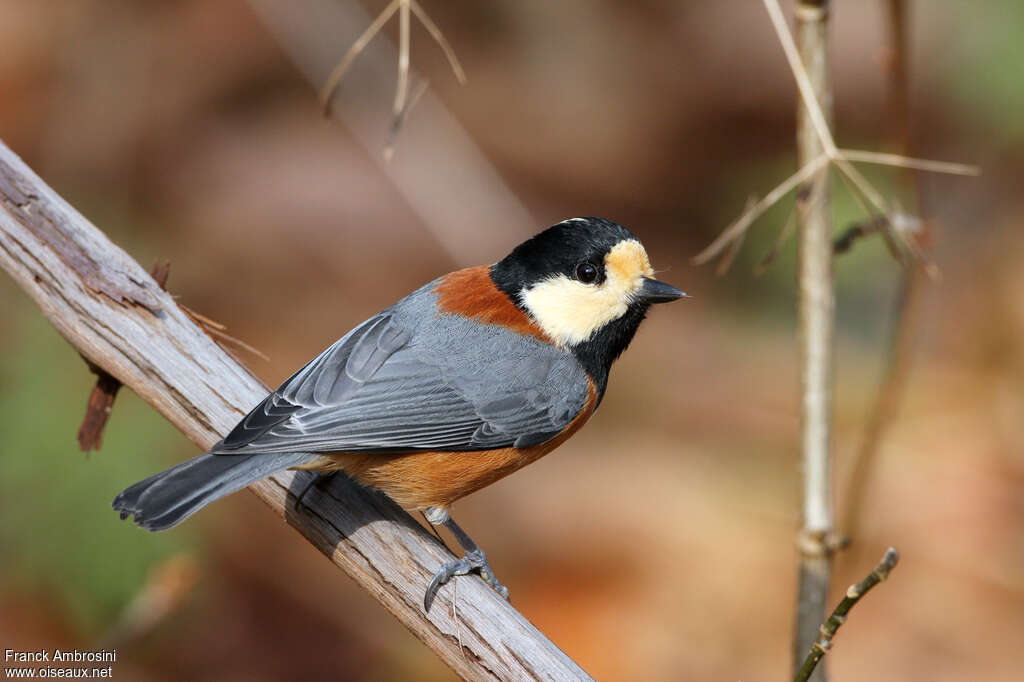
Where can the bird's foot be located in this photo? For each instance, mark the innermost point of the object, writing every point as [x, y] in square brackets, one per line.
[475, 561]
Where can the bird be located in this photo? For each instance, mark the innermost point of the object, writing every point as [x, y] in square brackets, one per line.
[462, 382]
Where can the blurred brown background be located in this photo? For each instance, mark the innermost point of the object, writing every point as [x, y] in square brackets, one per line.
[657, 544]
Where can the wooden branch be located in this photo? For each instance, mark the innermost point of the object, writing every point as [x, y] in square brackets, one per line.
[816, 308]
[823, 644]
[97, 410]
[110, 309]
[103, 394]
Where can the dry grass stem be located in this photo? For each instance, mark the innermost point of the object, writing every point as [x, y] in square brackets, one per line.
[803, 81]
[899, 161]
[327, 93]
[737, 244]
[217, 331]
[895, 244]
[770, 199]
[436, 34]
[780, 239]
[403, 103]
[399, 119]
[865, 188]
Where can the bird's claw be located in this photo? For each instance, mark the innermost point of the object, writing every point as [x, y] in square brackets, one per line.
[473, 561]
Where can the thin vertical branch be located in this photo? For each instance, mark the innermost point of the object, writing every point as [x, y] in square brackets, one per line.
[816, 311]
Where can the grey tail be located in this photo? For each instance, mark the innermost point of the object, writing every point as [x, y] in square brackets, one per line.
[169, 497]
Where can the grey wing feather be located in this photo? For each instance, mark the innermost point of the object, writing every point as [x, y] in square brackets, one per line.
[409, 379]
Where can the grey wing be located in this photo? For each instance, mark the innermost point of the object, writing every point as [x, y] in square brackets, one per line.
[451, 385]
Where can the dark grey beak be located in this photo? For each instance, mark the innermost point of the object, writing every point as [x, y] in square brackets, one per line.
[654, 291]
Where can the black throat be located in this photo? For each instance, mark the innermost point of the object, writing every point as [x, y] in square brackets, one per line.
[597, 353]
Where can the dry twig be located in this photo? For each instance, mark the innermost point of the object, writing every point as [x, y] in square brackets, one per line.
[828, 630]
[97, 409]
[402, 103]
[734, 248]
[832, 155]
[780, 238]
[101, 399]
[844, 242]
[218, 332]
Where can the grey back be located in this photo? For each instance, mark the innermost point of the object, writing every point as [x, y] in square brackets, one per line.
[412, 379]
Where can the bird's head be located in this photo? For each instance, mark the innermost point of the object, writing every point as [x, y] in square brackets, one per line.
[586, 282]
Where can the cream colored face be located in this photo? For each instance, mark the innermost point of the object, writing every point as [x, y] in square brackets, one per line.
[570, 311]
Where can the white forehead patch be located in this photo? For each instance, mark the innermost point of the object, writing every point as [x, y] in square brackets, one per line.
[570, 311]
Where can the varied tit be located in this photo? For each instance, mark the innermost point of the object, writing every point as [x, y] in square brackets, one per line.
[457, 385]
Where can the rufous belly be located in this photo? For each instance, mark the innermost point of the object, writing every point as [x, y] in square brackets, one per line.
[419, 480]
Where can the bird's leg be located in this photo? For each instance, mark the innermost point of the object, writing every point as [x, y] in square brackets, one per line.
[320, 479]
[474, 560]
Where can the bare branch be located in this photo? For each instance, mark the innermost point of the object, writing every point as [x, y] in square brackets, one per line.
[757, 210]
[863, 186]
[399, 119]
[815, 333]
[327, 93]
[803, 81]
[862, 189]
[897, 249]
[402, 104]
[899, 161]
[823, 131]
[828, 630]
[844, 242]
[870, 198]
[737, 244]
[780, 239]
[103, 394]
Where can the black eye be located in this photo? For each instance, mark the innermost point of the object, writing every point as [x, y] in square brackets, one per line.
[586, 273]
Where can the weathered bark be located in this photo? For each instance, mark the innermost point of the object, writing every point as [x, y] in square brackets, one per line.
[110, 309]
